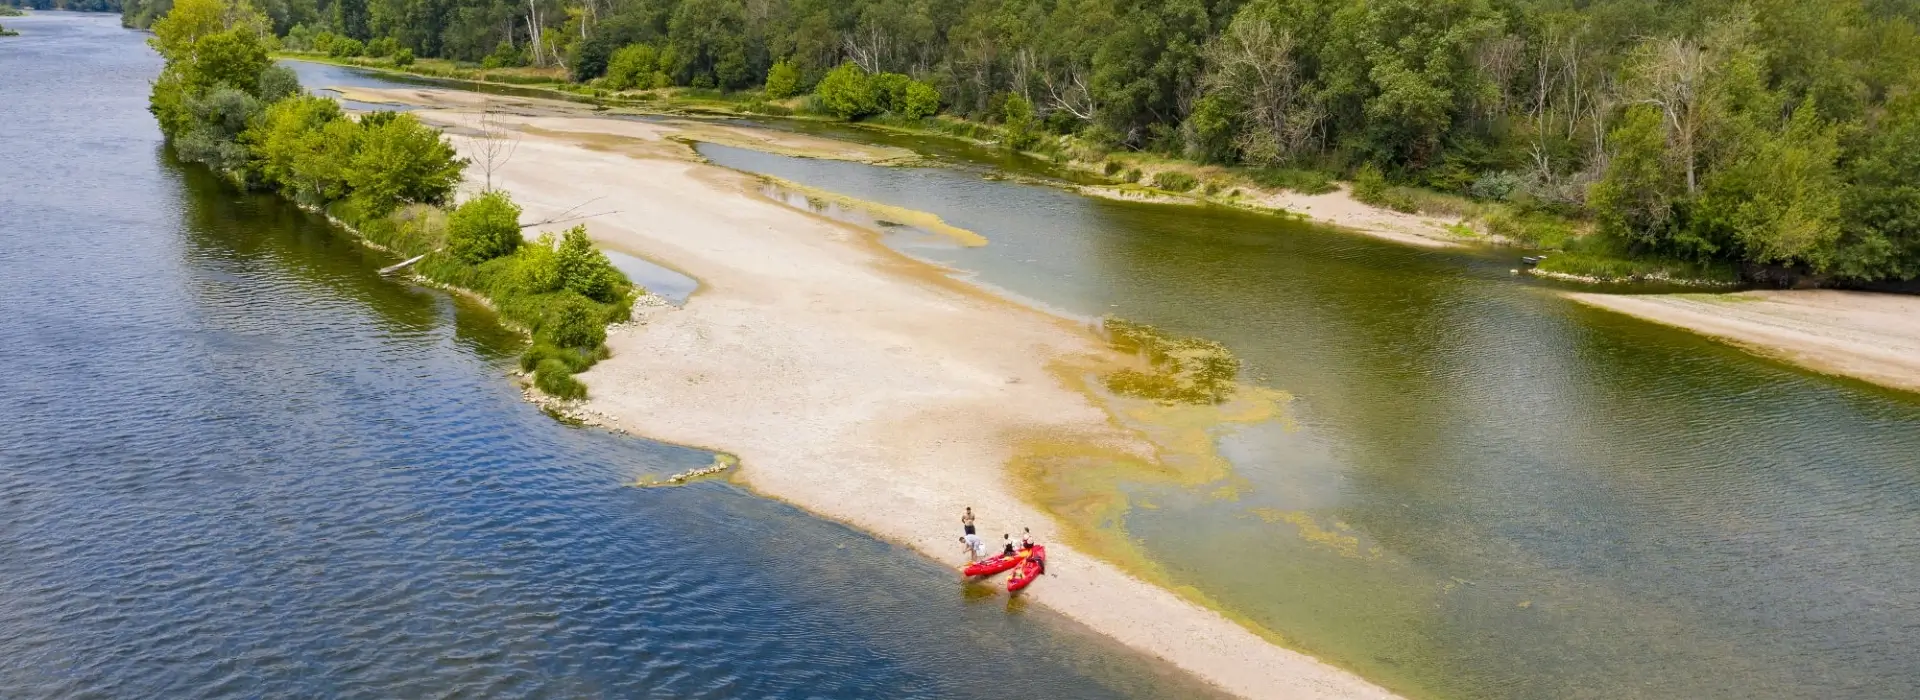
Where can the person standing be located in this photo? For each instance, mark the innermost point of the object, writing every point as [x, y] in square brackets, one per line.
[1026, 538]
[966, 521]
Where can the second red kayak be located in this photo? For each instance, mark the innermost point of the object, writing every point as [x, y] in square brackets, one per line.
[994, 565]
[1030, 568]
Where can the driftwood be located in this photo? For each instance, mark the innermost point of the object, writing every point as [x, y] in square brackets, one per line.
[402, 265]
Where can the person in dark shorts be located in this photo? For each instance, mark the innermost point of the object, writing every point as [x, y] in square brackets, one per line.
[966, 521]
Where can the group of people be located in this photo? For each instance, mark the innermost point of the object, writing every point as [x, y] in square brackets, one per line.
[977, 548]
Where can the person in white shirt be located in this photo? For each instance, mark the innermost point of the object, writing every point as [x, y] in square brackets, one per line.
[976, 547]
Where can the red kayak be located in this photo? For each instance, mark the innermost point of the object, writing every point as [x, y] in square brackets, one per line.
[1030, 569]
[994, 565]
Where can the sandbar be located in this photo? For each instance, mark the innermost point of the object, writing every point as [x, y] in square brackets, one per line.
[1863, 335]
[857, 383]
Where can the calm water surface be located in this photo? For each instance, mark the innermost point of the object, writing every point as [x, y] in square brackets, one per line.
[237, 463]
[1489, 492]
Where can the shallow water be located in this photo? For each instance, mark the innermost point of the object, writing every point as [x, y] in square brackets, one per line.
[238, 463]
[1487, 491]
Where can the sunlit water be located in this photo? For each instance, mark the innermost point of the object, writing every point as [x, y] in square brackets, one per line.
[236, 462]
[1489, 491]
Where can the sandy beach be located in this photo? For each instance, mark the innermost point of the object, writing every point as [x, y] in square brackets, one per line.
[1865, 336]
[857, 383]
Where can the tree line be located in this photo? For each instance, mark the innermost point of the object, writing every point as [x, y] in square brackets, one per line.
[1779, 132]
[222, 102]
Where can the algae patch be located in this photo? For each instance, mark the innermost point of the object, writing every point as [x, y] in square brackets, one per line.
[1180, 369]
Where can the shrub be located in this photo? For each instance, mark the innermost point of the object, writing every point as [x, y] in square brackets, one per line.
[585, 270]
[760, 106]
[552, 377]
[401, 160]
[1133, 175]
[921, 101]
[1369, 185]
[345, 47]
[1018, 116]
[403, 57]
[382, 47]
[632, 66]
[1173, 181]
[571, 324]
[846, 92]
[1495, 186]
[1111, 168]
[783, 80]
[575, 359]
[484, 228]
[1211, 189]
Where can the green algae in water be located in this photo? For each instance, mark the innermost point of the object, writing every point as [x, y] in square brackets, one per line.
[1183, 370]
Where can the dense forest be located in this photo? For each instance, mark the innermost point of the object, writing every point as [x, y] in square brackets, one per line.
[1777, 132]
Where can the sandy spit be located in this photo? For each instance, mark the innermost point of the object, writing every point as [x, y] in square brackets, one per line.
[856, 383]
[1337, 208]
[1866, 336]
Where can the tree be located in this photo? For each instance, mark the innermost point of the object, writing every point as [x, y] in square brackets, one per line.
[400, 160]
[585, 270]
[846, 92]
[632, 66]
[922, 101]
[484, 228]
[1880, 234]
[783, 80]
[291, 130]
[1779, 201]
[1634, 201]
[1255, 80]
[1018, 117]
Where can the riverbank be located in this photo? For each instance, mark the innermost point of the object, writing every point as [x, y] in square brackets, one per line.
[860, 384]
[1862, 335]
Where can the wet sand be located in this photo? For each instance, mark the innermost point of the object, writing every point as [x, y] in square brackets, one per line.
[860, 384]
[1862, 335]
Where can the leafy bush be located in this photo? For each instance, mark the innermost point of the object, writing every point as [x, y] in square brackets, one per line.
[1174, 181]
[846, 92]
[921, 101]
[403, 57]
[783, 80]
[400, 160]
[1369, 185]
[572, 324]
[345, 47]
[575, 359]
[1496, 186]
[1536, 229]
[586, 270]
[1609, 268]
[759, 106]
[1111, 168]
[1018, 117]
[552, 377]
[1133, 175]
[381, 47]
[484, 228]
[632, 66]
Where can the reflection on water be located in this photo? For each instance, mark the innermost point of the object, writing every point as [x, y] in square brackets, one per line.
[1490, 492]
[239, 463]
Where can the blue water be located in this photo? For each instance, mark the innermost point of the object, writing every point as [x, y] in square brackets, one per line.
[236, 462]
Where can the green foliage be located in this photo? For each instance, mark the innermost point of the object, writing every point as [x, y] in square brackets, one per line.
[585, 270]
[1369, 185]
[1132, 175]
[1018, 118]
[381, 47]
[847, 93]
[920, 101]
[400, 160]
[1881, 231]
[484, 228]
[1174, 181]
[1302, 181]
[632, 66]
[1606, 267]
[572, 324]
[1110, 168]
[402, 57]
[346, 47]
[554, 378]
[783, 81]
[1634, 201]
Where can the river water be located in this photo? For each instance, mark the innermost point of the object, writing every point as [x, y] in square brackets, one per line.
[236, 462]
[1483, 490]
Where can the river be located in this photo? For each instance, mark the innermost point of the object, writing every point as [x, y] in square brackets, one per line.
[1482, 490]
[237, 463]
